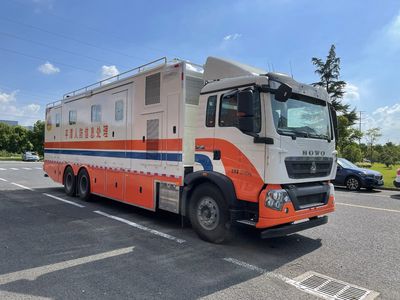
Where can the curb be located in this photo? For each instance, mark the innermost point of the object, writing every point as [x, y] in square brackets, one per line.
[388, 189]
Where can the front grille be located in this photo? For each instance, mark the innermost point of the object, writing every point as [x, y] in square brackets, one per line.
[308, 167]
[311, 200]
[306, 195]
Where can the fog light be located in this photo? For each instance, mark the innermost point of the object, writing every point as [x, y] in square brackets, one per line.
[276, 199]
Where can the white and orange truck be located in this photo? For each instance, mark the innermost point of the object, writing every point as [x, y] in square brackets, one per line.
[217, 144]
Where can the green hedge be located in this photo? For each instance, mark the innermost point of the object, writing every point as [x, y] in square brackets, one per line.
[364, 164]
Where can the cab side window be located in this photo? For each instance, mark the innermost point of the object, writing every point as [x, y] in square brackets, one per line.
[211, 111]
[228, 110]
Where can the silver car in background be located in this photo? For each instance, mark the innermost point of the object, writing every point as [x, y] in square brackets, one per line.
[30, 156]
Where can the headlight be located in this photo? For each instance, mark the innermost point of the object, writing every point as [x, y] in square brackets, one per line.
[276, 199]
[331, 190]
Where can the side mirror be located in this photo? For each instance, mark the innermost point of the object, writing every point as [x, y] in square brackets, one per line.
[246, 111]
[283, 93]
[335, 122]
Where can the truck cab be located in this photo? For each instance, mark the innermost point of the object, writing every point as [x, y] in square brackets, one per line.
[273, 139]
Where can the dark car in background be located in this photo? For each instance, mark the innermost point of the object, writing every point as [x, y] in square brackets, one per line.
[354, 178]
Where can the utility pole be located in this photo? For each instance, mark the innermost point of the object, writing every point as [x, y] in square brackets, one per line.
[360, 123]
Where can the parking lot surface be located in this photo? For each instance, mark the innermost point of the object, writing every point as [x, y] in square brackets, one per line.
[58, 247]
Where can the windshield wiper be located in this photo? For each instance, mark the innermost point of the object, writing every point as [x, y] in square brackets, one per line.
[287, 132]
[302, 133]
[320, 136]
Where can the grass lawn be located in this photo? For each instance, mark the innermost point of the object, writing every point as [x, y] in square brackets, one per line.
[10, 158]
[389, 174]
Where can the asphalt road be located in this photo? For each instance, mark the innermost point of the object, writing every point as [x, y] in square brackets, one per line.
[58, 247]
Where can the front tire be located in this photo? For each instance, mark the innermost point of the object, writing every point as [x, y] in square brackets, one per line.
[209, 214]
[84, 185]
[353, 183]
[69, 182]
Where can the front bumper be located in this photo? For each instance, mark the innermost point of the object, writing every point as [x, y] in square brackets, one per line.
[372, 182]
[269, 218]
[287, 229]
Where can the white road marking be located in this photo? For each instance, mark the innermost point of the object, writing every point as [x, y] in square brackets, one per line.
[153, 231]
[2, 179]
[12, 296]
[27, 168]
[15, 169]
[2, 169]
[34, 273]
[22, 186]
[38, 168]
[258, 269]
[369, 207]
[352, 195]
[63, 200]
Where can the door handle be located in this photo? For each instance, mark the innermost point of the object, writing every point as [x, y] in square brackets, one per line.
[217, 154]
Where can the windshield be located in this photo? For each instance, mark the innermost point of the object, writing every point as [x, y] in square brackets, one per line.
[302, 116]
[344, 163]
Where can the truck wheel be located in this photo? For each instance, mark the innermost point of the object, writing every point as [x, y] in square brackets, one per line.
[69, 182]
[353, 183]
[209, 214]
[84, 185]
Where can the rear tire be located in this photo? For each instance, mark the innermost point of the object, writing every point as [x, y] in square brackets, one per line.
[353, 183]
[209, 214]
[84, 185]
[69, 182]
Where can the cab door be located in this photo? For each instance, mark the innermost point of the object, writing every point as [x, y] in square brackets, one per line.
[242, 159]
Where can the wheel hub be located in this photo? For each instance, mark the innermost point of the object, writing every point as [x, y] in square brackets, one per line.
[352, 183]
[208, 213]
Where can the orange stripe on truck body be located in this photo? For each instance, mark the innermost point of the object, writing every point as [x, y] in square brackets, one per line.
[162, 144]
[248, 183]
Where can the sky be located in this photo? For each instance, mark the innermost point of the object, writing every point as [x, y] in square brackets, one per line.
[51, 47]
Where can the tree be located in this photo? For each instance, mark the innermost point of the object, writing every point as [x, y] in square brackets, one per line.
[347, 134]
[329, 73]
[14, 139]
[5, 133]
[352, 152]
[37, 137]
[390, 154]
[372, 135]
